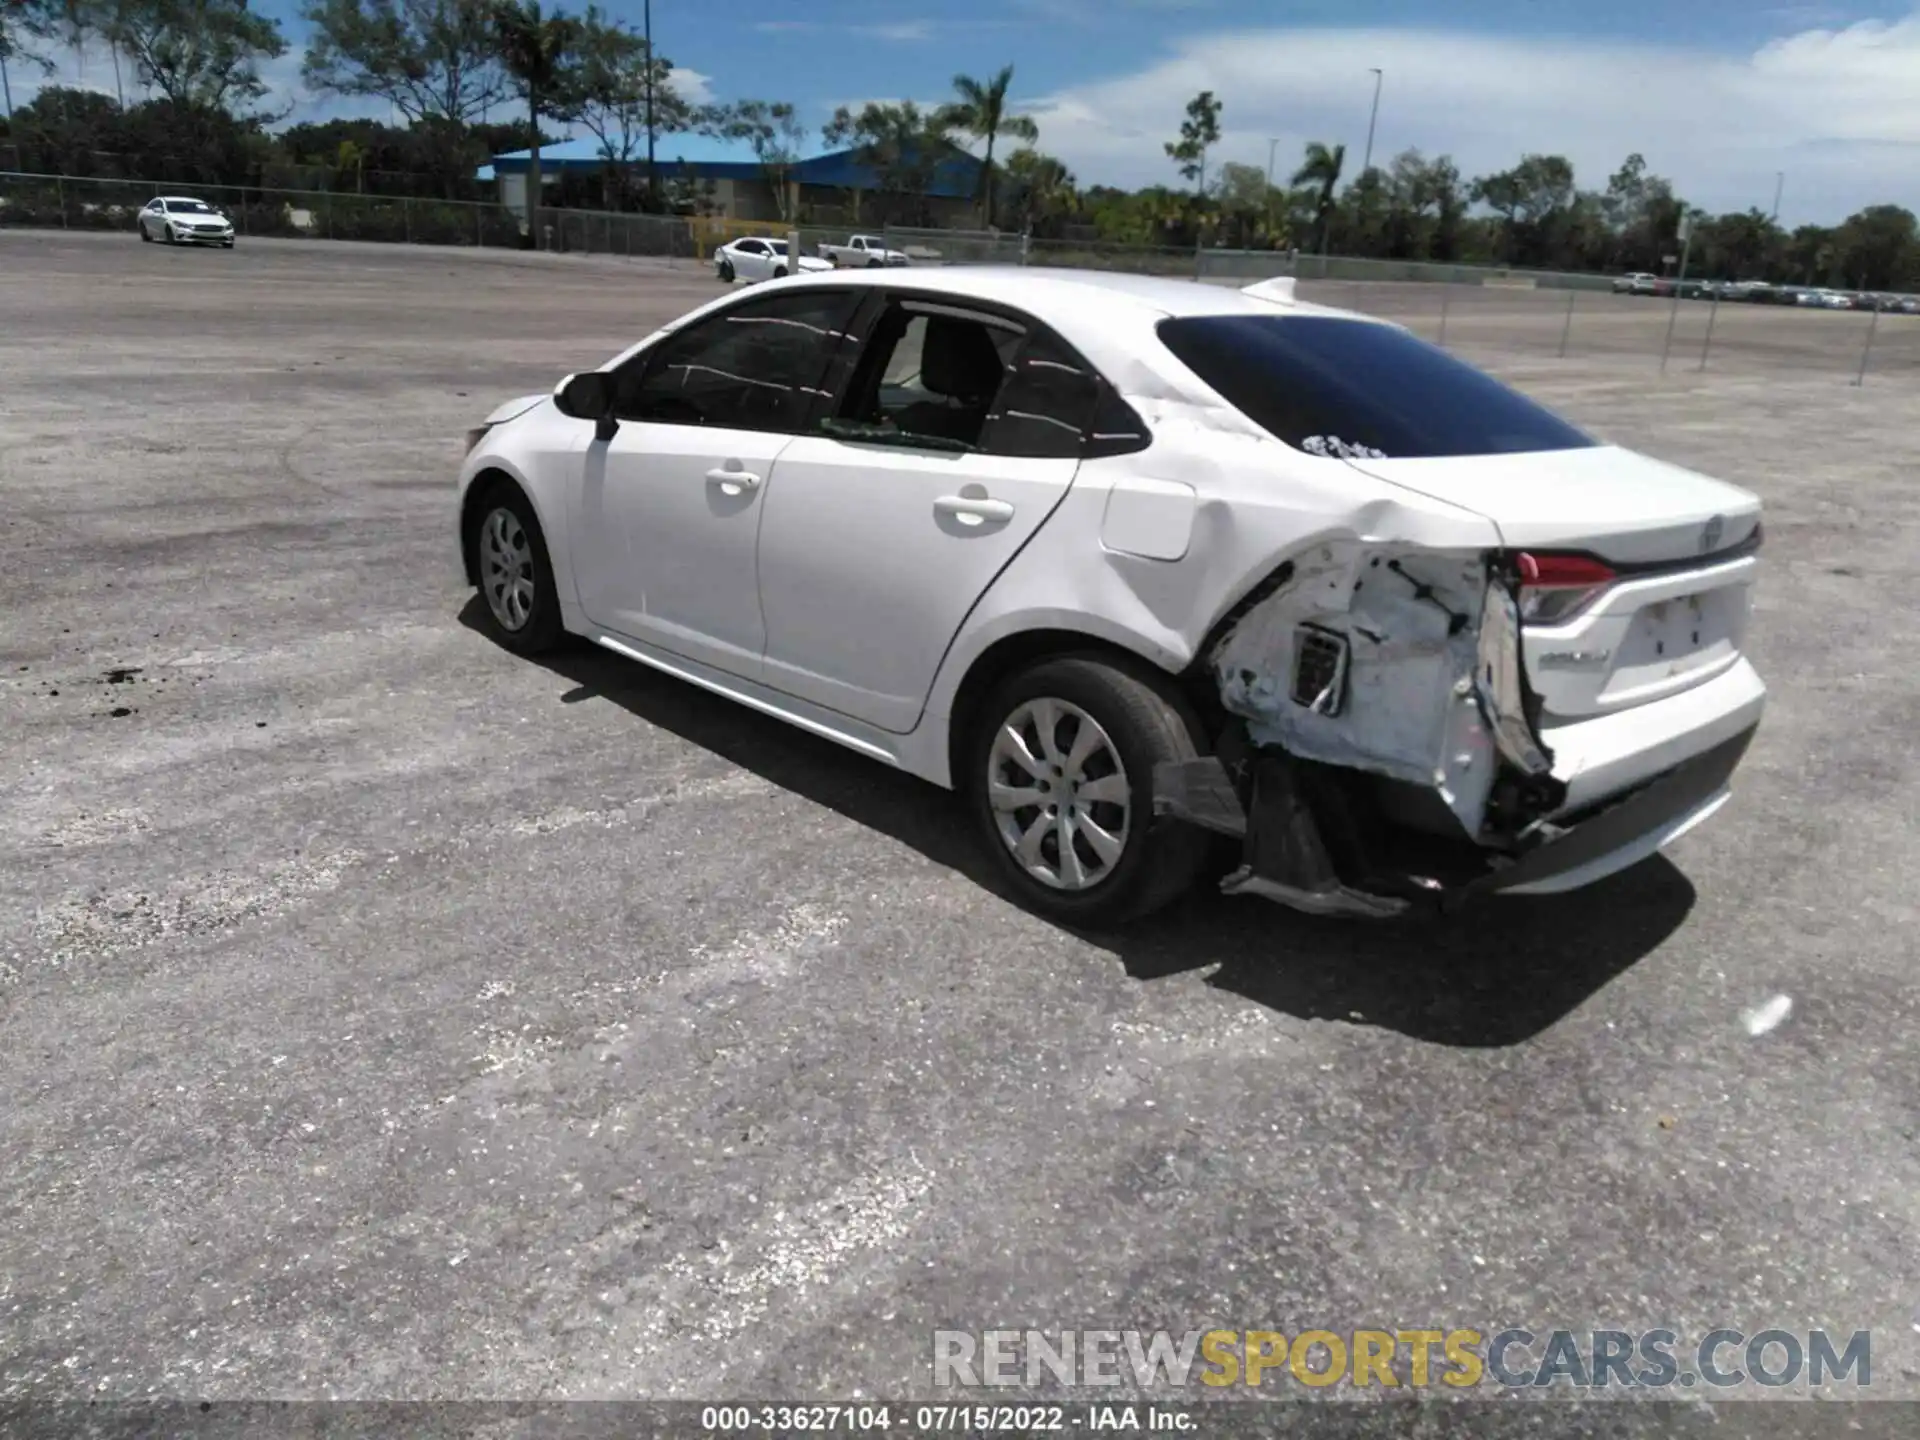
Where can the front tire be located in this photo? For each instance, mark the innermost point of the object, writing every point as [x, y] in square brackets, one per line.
[516, 576]
[145, 238]
[726, 272]
[1060, 780]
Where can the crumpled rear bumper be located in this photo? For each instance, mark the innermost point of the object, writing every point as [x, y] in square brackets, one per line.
[1300, 849]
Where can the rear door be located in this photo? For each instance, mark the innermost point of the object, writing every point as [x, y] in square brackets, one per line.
[956, 434]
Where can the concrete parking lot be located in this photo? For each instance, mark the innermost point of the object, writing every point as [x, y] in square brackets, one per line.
[386, 1016]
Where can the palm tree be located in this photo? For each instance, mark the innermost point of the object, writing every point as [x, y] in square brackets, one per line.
[981, 111]
[1322, 168]
[536, 50]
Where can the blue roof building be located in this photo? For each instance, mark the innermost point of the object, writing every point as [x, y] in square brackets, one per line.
[731, 180]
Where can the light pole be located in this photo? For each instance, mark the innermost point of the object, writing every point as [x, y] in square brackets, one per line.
[1779, 184]
[1379, 77]
[647, 23]
[1273, 143]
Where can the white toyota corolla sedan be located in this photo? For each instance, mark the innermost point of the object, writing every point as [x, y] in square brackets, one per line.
[1127, 561]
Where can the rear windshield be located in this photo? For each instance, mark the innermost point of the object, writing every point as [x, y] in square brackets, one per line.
[1356, 389]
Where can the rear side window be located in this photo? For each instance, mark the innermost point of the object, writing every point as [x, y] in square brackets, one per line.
[1353, 388]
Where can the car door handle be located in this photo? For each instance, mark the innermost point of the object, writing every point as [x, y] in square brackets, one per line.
[972, 509]
[733, 481]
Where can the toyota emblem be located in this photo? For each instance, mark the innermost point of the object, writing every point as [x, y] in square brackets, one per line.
[1710, 534]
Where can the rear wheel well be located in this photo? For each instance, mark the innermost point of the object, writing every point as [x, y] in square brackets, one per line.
[1016, 652]
[484, 484]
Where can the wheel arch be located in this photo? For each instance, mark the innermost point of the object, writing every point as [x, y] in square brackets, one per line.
[1015, 652]
[484, 482]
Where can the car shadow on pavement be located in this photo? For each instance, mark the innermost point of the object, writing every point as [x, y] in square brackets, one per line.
[1495, 974]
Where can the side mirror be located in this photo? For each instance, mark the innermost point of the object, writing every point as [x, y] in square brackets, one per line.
[589, 396]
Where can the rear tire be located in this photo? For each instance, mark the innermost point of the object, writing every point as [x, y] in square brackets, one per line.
[1091, 791]
[522, 603]
[779, 272]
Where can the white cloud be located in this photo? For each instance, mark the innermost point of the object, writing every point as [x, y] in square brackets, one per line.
[1837, 110]
[901, 31]
[692, 86]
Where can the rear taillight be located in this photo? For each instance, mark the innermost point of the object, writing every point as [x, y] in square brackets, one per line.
[1554, 588]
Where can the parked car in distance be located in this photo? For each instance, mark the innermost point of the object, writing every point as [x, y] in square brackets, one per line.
[1821, 298]
[1133, 563]
[183, 220]
[755, 257]
[863, 250]
[1636, 283]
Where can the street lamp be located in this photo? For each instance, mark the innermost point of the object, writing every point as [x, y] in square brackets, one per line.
[652, 188]
[1272, 144]
[1779, 184]
[1379, 77]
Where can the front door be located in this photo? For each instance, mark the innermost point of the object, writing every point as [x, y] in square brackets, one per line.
[670, 507]
[958, 436]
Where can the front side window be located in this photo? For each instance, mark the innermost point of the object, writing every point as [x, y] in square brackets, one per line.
[755, 366]
[1359, 389]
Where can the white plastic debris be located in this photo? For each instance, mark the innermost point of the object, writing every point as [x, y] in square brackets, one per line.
[1762, 1018]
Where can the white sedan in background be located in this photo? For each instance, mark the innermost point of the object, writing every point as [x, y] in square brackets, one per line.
[756, 258]
[182, 220]
[1128, 560]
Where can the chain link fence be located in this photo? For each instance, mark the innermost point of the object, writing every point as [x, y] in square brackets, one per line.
[1502, 312]
[66, 202]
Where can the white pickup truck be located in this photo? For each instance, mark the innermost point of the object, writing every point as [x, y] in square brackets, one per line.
[863, 250]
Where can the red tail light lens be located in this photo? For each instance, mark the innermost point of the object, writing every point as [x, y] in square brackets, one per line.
[1554, 588]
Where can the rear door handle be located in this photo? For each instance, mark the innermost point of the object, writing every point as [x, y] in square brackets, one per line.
[972, 510]
[734, 482]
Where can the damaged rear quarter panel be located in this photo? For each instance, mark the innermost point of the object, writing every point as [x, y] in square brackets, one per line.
[1259, 505]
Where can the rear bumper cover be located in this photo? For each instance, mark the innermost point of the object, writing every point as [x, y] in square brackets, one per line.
[1625, 830]
[1286, 858]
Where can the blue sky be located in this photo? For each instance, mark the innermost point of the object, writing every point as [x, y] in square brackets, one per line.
[1719, 95]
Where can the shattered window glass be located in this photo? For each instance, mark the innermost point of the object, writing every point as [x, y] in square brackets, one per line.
[1355, 390]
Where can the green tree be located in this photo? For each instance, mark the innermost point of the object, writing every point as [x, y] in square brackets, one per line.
[775, 132]
[198, 54]
[1041, 190]
[24, 26]
[981, 111]
[536, 49]
[432, 60]
[1878, 248]
[1528, 198]
[1321, 169]
[1245, 201]
[1199, 133]
[899, 142]
[623, 93]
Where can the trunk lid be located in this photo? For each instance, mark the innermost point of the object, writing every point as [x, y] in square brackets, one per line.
[1680, 545]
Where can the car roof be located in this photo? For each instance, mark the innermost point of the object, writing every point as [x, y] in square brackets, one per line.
[1075, 299]
[182, 199]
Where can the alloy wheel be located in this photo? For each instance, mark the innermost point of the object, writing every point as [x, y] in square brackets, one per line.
[1059, 793]
[506, 569]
